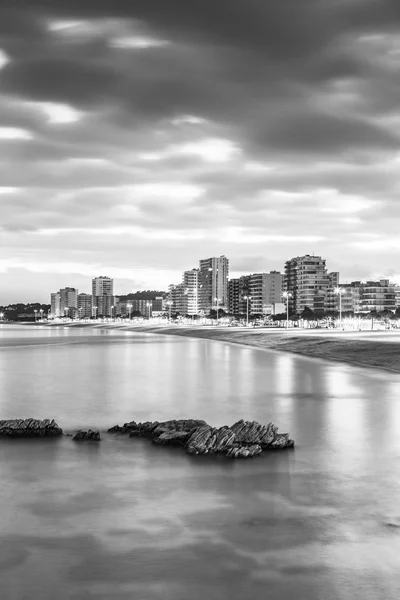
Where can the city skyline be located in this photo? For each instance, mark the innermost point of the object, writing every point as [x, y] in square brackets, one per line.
[133, 135]
[88, 281]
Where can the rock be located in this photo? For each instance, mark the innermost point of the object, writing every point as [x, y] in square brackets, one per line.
[172, 438]
[85, 436]
[244, 451]
[208, 440]
[267, 436]
[154, 428]
[244, 439]
[29, 428]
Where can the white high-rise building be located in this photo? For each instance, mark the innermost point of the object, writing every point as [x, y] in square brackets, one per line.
[102, 296]
[213, 283]
[102, 286]
[190, 281]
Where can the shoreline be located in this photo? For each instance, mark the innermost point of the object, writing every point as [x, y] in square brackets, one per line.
[365, 349]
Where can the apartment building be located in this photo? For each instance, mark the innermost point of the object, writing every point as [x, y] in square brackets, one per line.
[213, 283]
[84, 305]
[102, 296]
[309, 284]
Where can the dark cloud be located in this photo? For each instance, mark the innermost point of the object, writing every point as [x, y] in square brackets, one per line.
[302, 98]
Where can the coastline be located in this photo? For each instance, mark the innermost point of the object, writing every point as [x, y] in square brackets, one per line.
[367, 349]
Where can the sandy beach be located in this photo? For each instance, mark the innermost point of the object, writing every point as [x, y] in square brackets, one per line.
[378, 349]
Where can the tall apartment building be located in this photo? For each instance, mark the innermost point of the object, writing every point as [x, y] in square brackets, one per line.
[265, 290]
[84, 305]
[178, 296]
[233, 296]
[102, 296]
[55, 304]
[213, 283]
[190, 281]
[64, 302]
[309, 283]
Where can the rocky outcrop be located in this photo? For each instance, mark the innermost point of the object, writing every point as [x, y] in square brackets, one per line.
[29, 428]
[244, 439]
[84, 436]
[267, 436]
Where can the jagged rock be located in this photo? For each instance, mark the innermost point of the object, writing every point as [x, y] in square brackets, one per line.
[154, 428]
[83, 436]
[267, 436]
[244, 451]
[172, 438]
[244, 439]
[209, 440]
[29, 428]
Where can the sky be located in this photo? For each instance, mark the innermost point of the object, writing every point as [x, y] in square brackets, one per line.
[138, 136]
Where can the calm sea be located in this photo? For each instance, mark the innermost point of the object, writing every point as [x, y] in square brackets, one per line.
[126, 520]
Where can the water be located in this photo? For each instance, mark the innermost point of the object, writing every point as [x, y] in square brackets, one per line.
[124, 519]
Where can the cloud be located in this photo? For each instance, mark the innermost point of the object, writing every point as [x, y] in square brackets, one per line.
[14, 133]
[251, 129]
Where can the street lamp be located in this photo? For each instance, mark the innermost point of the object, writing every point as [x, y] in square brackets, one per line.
[94, 308]
[112, 308]
[340, 291]
[41, 314]
[217, 300]
[129, 307]
[35, 311]
[148, 304]
[247, 298]
[287, 295]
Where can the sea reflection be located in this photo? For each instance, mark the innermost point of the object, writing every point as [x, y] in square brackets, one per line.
[126, 519]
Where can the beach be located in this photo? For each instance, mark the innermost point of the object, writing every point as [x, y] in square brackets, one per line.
[377, 349]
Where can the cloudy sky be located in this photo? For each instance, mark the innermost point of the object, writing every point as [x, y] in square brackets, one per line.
[137, 136]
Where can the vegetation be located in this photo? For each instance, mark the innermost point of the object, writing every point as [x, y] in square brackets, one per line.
[23, 312]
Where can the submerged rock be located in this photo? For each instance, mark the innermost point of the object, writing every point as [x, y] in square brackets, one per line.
[89, 435]
[244, 439]
[29, 428]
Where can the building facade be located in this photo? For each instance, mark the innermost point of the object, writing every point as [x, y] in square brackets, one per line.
[213, 283]
[190, 281]
[309, 284]
[102, 296]
[378, 296]
[84, 305]
[55, 304]
[265, 289]
[68, 302]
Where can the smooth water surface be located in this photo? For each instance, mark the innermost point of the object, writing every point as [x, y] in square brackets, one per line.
[124, 519]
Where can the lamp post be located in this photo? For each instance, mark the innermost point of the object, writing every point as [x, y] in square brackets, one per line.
[148, 304]
[287, 295]
[112, 308]
[41, 314]
[129, 307]
[95, 311]
[339, 291]
[35, 311]
[247, 298]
